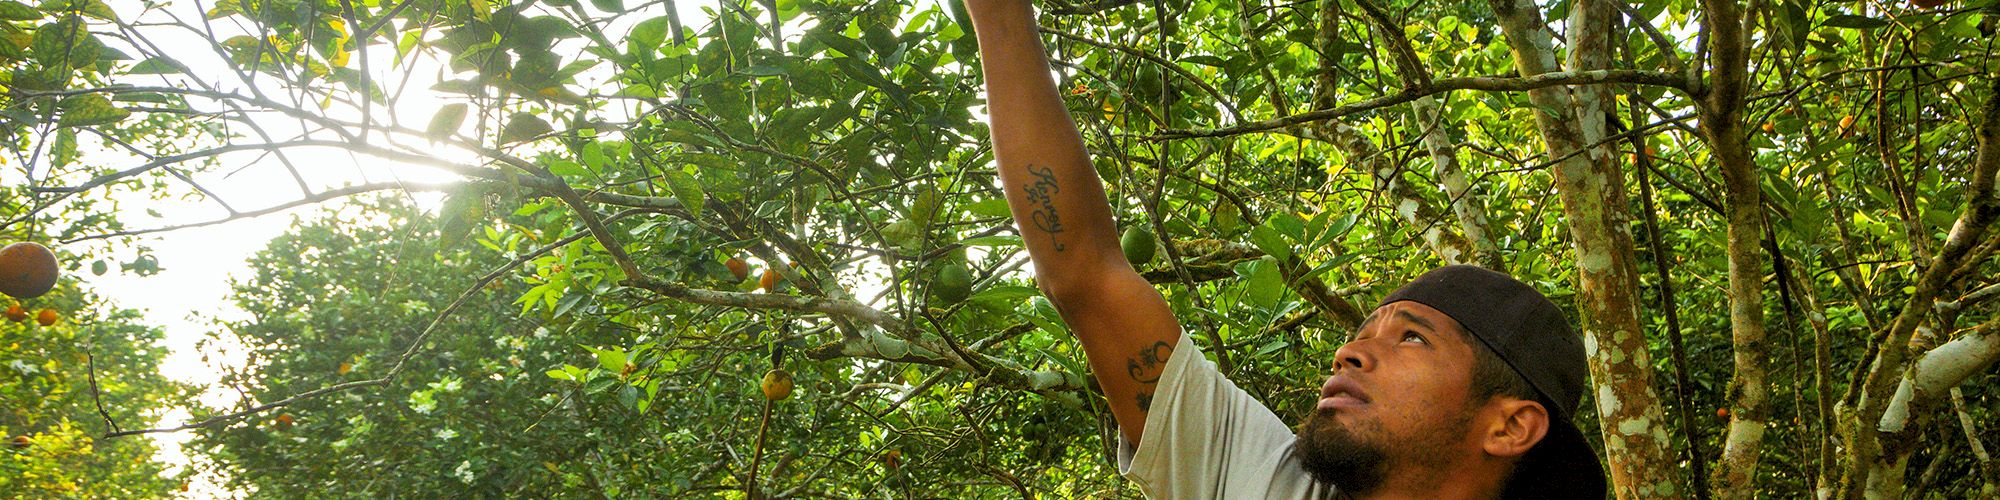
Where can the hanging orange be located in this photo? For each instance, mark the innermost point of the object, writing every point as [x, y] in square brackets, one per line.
[738, 267]
[27, 270]
[769, 281]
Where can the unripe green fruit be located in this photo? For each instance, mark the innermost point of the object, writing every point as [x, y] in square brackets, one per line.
[954, 283]
[1138, 245]
[1149, 84]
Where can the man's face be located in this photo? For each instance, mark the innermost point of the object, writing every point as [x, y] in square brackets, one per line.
[1398, 398]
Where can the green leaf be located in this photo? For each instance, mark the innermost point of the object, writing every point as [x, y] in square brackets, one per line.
[1205, 60]
[686, 189]
[1005, 293]
[1266, 284]
[446, 121]
[610, 359]
[65, 43]
[1271, 242]
[628, 396]
[593, 156]
[1270, 347]
[524, 126]
[565, 168]
[1334, 229]
[1289, 225]
[156, 66]
[992, 241]
[92, 8]
[65, 151]
[90, 109]
[995, 207]
[464, 209]
[16, 11]
[613, 6]
[1855, 22]
[648, 34]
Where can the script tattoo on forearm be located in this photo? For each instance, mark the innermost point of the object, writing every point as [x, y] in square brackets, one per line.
[1146, 368]
[1042, 191]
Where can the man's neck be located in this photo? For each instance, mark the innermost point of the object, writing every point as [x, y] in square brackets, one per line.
[1471, 483]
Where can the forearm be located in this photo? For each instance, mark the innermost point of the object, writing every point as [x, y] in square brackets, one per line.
[1056, 198]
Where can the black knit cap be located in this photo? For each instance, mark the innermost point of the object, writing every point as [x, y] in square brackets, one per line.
[1528, 332]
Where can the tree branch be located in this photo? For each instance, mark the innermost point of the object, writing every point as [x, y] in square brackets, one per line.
[1484, 83]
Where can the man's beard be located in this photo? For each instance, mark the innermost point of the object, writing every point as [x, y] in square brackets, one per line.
[1334, 454]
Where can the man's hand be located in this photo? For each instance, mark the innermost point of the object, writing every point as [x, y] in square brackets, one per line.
[1126, 328]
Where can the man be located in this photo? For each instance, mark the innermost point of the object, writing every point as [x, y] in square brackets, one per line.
[1461, 384]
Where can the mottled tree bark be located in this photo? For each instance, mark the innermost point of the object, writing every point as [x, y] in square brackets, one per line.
[1922, 390]
[1722, 127]
[1409, 204]
[1451, 176]
[1639, 453]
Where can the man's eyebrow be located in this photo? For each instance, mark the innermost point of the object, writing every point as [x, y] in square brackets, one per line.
[1405, 314]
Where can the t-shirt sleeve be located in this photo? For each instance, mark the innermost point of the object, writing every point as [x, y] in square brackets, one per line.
[1206, 438]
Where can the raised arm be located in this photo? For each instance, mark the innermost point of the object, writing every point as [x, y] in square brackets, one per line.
[1126, 328]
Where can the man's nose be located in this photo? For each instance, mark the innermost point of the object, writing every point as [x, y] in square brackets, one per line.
[1353, 355]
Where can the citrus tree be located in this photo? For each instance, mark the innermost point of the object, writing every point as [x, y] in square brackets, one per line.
[1772, 220]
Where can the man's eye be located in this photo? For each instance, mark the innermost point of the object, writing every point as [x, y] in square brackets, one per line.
[1413, 336]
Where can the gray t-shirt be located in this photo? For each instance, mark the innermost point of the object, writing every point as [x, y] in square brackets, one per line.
[1205, 438]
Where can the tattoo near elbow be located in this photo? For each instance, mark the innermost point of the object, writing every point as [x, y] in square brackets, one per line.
[1147, 366]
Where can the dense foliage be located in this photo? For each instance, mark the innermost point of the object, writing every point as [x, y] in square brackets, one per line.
[1768, 218]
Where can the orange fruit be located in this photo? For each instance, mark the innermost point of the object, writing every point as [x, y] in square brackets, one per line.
[893, 458]
[769, 281]
[738, 267]
[47, 317]
[16, 313]
[1721, 413]
[285, 420]
[27, 270]
[22, 442]
[1770, 127]
[777, 385]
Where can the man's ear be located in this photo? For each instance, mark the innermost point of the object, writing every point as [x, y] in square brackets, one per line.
[1518, 425]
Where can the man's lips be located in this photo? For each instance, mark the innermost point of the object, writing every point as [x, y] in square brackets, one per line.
[1341, 393]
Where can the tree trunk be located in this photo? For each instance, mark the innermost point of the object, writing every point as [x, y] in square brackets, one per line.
[1722, 127]
[1639, 453]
